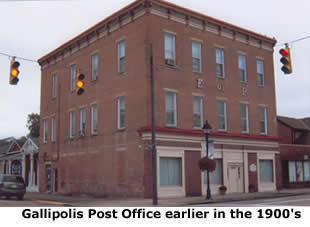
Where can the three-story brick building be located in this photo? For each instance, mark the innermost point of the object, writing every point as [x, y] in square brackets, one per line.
[204, 69]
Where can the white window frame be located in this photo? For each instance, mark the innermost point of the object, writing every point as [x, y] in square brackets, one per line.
[170, 52]
[54, 85]
[197, 45]
[121, 53]
[45, 130]
[173, 109]
[246, 118]
[222, 115]
[260, 169]
[121, 112]
[53, 129]
[94, 119]
[264, 121]
[220, 60]
[72, 77]
[94, 67]
[71, 124]
[200, 101]
[241, 64]
[82, 122]
[260, 75]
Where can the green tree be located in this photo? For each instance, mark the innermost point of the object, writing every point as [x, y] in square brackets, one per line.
[33, 124]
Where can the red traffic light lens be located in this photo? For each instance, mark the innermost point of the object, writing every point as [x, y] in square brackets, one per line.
[283, 52]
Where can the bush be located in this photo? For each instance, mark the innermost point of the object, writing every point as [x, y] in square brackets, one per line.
[223, 188]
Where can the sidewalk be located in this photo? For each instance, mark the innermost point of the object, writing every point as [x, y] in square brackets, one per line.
[89, 201]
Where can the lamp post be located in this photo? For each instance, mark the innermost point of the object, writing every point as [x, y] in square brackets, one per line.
[206, 129]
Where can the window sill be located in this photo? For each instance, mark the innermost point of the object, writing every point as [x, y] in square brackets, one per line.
[243, 82]
[220, 77]
[263, 134]
[172, 66]
[94, 81]
[198, 73]
[260, 86]
[247, 133]
[94, 134]
[222, 130]
[171, 126]
[122, 73]
[121, 129]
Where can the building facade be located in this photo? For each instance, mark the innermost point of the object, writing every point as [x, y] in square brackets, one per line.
[294, 139]
[204, 69]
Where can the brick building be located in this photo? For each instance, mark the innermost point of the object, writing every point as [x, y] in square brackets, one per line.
[294, 139]
[204, 69]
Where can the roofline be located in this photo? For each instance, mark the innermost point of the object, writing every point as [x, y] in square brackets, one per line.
[162, 3]
[91, 29]
[217, 21]
[306, 126]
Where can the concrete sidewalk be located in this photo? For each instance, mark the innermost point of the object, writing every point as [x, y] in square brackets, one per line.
[90, 201]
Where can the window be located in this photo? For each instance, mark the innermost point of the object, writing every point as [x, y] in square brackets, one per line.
[45, 128]
[94, 67]
[220, 63]
[299, 171]
[71, 124]
[121, 112]
[171, 109]
[170, 171]
[82, 122]
[54, 84]
[263, 120]
[198, 112]
[266, 171]
[244, 114]
[53, 129]
[170, 49]
[94, 119]
[121, 56]
[196, 57]
[242, 68]
[222, 119]
[260, 73]
[72, 77]
[216, 175]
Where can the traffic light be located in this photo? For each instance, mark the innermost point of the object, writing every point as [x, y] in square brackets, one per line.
[14, 71]
[79, 84]
[286, 60]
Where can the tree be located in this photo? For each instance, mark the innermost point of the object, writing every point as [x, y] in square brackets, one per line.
[33, 124]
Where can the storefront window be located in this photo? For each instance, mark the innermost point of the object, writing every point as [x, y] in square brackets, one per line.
[266, 171]
[170, 171]
[216, 175]
[299, 171]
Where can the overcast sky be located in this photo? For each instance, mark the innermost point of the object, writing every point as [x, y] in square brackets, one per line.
[31, 29]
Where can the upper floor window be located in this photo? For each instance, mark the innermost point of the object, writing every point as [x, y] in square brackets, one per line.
[121, 112]
[171, 109]
[242, 68]
[220, 63]
[222, 116]
[121, 56]
[263, 120]
[45, 129]
[53, 129]
[94, 119]
[170, 56]
[244, 114]
[82, 122]
[72, 77]
[198, 112]
[94, 67]
[71, 124]
[54, 84]
[196, 57]
[260, 73]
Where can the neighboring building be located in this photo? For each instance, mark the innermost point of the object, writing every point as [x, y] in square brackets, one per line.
[204, 69]
[10, 157]
[30, 167]
[294, 139]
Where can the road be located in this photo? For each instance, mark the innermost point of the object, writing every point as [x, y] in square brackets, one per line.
[301, 200]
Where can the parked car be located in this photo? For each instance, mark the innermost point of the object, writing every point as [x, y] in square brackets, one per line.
[11, 185]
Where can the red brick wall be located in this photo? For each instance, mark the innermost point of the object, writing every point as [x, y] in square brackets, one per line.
[284, 133]
[192, 173]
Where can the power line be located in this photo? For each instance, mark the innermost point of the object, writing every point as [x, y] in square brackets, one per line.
[295, 41]
[21, 58]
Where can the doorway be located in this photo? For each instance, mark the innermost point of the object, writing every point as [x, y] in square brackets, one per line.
[235, 178]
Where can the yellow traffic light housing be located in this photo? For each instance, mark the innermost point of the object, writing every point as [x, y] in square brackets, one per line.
[79, 84]
[14, 72]
[286, 60]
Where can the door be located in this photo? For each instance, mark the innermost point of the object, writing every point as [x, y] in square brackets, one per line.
[56, 180]
[48, 177]
[235, 178]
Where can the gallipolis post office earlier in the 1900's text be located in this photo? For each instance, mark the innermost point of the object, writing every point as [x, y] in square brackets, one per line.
[204, 69]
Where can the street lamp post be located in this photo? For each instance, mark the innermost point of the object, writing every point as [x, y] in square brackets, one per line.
[206, 129]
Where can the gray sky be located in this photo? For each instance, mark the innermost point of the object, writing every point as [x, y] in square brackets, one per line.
[31, 29]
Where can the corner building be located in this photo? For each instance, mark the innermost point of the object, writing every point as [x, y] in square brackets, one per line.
[204, 69]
